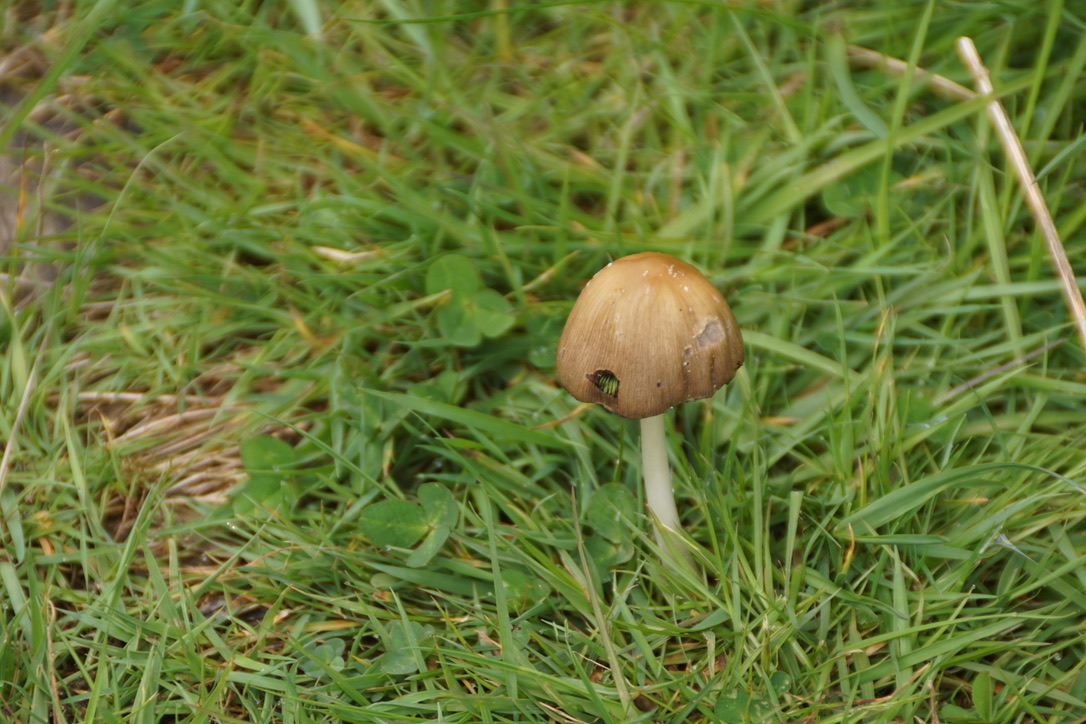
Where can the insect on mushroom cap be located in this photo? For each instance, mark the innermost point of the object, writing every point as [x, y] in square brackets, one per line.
[647, 333]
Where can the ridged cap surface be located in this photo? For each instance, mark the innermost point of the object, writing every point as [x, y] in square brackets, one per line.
[647, 333]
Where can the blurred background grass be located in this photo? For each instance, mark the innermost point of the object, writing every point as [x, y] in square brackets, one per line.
[269, 265]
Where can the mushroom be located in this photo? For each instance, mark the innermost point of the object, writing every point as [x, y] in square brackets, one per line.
[647, 333]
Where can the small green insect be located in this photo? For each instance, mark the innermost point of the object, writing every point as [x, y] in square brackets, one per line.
[606, 382]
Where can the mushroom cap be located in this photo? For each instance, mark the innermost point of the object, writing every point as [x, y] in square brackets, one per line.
[647, 333]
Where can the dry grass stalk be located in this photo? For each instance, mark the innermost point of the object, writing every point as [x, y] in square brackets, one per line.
[1012, 146]
[190, 441]
[939, 84]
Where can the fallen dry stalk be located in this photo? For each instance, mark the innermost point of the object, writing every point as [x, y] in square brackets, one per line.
[939, 84]
[1012, 146]
[133, 397]
[943, 86]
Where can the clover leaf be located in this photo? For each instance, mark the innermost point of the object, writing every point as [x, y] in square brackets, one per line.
[470, 311]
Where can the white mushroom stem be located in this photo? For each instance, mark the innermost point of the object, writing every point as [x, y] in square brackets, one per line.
[658, 493]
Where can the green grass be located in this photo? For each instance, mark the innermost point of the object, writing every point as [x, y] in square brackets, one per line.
[202, 411]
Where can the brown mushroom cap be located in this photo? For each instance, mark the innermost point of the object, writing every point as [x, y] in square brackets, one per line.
[647, 333]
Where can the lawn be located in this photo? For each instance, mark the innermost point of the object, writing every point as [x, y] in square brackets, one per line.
[281, 285]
